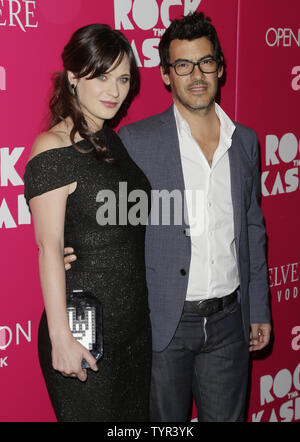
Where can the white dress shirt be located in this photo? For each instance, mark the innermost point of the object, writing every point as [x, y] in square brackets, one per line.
[213, 268]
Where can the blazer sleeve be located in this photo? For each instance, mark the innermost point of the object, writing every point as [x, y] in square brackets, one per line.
[258, 284]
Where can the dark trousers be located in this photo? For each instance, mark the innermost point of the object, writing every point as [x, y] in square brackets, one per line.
[208, 358]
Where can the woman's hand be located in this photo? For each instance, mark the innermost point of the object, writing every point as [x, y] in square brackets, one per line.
[67, 355]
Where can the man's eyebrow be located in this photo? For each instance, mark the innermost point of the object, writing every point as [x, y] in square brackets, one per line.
[181, 59]
[200, 59]
[206, 56]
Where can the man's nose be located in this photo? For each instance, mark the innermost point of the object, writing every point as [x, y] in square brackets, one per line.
[197, 73]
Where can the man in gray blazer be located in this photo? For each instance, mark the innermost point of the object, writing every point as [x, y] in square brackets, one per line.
[207, 279]
[208, 290]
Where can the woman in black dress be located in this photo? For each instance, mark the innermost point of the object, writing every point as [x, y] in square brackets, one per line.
[69, 165]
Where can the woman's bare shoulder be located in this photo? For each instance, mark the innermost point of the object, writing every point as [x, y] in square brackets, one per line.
[54, 138]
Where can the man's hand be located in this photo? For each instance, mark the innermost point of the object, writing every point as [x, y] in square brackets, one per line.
[259, 336]
[69, 257]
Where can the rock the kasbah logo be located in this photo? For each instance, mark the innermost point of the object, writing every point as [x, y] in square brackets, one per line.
[279, 396]
[279, 393]
[147, 16]
[282, 161]
[13, 208]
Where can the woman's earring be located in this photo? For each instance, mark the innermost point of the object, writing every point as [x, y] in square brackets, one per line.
[73, 89]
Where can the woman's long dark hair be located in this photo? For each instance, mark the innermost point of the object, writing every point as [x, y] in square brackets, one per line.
[91, 52]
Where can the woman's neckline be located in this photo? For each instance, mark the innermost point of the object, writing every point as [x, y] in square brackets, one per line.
[93, 134]
[70, 146]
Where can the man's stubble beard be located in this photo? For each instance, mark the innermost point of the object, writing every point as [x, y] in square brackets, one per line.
[202, 109]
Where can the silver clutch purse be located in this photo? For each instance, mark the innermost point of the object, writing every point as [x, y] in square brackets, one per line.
[85, 321]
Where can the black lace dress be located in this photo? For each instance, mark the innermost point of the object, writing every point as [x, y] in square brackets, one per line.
[111, 265]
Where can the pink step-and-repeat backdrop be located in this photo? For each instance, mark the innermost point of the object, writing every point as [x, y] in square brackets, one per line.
[261, 40]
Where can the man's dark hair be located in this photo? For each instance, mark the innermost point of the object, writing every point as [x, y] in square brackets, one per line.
[192, 26]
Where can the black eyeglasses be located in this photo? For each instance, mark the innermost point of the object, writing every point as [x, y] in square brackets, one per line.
[186, 67]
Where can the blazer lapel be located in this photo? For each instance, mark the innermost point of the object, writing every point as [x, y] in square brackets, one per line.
[236, 184]
[169, 145]
[173, 178]
[171, 159]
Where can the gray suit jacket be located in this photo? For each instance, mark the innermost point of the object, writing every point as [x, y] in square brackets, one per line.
[154, 146]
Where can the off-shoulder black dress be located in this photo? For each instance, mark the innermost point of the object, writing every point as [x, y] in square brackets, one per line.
[111, 265]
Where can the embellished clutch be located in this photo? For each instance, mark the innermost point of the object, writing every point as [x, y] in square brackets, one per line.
[85, 321]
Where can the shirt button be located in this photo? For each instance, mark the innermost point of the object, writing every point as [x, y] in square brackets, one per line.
[209, 204]
[183, 272]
